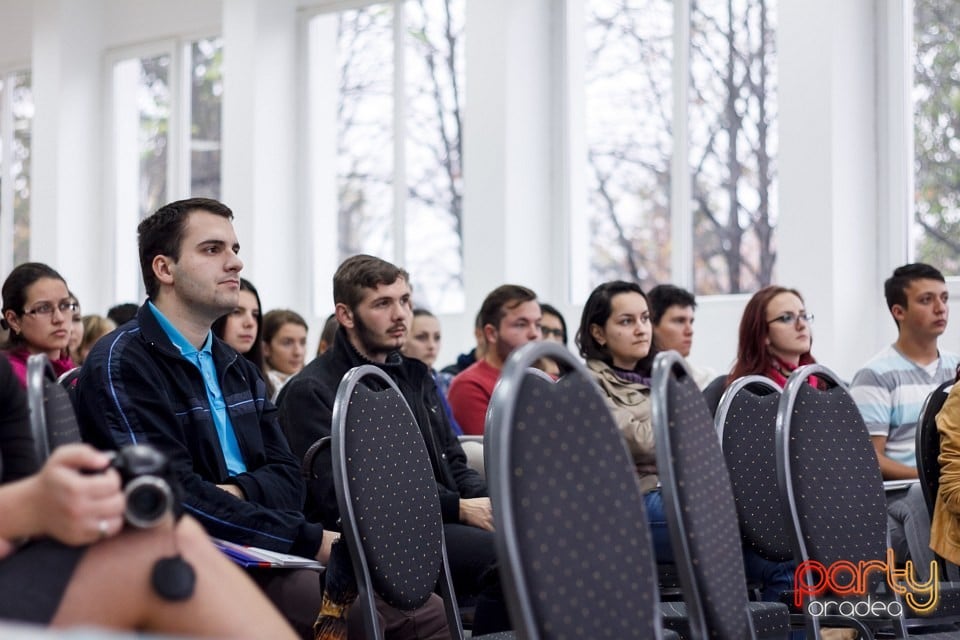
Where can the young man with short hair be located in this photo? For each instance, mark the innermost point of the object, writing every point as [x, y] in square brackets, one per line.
[671, 316]
[890, 389]
[373, 308]
[510, 318]
[164, 378]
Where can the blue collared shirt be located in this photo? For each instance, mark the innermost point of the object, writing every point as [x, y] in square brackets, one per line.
[203, 359]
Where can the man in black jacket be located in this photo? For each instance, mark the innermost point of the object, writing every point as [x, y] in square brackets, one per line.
[165, 379]
[373, 308]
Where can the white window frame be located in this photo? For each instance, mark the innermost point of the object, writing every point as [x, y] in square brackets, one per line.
[6, 185]
[128, 285]
[681, 210]
[325, 163]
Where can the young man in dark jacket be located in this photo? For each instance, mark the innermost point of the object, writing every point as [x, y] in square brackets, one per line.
[373, 308]
[165, 379]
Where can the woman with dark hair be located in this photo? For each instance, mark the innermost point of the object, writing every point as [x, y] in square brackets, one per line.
[614, 338]
[284, 346]
[775, 336]
[242, 329]
[38, 309]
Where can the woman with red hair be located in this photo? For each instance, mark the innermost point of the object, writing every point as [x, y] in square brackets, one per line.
[775, 336]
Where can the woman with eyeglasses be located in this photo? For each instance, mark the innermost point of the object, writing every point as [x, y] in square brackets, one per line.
[775, 336]
[38, 311]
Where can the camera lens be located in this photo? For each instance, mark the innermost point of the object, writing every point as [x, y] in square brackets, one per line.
[148, 499]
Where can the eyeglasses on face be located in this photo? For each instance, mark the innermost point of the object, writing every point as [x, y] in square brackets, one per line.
[47, 308]
[791, 318]
[547, 332]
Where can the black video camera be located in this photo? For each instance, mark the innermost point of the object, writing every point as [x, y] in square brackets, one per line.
[148, 483]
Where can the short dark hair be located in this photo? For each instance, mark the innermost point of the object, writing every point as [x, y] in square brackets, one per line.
[122, 313]
[552, 310]
[162, 233]
[597, 311]
[895, 287]
[360, 272]
[14, 292]
[664, 296]
[502, 299]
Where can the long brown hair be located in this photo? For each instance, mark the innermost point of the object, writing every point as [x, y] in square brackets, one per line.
[753, 356]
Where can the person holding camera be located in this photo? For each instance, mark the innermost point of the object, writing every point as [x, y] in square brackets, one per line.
[165, 379]
[67, 560]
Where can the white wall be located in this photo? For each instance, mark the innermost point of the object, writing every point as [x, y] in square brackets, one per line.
[836, 236]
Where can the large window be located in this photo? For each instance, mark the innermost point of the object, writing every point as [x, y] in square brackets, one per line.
[16, 118]
[936, 99]
[166, 113]
[388, 91]
[716, 135]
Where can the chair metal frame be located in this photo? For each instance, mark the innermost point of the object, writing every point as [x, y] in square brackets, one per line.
[666, 365]
[726, 400]
[788, 398]
[349, 382]
[498, 453]
[39, 370]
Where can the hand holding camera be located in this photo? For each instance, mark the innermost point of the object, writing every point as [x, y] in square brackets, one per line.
[148, 484]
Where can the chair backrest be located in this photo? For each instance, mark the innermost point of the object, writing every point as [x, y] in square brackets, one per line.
[698, 504]
[576, 558]
[713, 392]
[388, 499]
[928, 444]
[829, 477]
[53, 421]
[746, 423]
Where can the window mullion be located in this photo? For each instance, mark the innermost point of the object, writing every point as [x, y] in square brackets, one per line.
[681, 215]
[6, 162]
[399, 136]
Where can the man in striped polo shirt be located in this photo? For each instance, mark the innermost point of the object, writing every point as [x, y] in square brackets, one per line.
[890, 389]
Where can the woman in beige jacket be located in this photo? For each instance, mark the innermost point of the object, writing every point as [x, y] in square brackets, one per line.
[614, 338]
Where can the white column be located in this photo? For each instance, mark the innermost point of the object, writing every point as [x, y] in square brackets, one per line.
[66, 223]
[260, 137]
[828, 175]
[509, 148]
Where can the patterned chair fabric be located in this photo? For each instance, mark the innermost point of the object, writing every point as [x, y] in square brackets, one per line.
[928, 444]
[699, 505]
[572, 537]
[746, 422]
[387, 498]
[831, 484]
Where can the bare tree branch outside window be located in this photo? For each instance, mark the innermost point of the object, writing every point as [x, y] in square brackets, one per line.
[731, 120]
[431, 135]
[19, 171]
[936, 98]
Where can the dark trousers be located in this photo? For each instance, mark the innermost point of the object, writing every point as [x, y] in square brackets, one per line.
[473, 567]
[297, 594]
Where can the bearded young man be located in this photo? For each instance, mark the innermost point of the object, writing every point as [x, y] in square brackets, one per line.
[374, 311]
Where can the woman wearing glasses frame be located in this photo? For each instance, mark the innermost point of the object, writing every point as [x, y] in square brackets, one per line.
[775, 336]
[38, 311]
